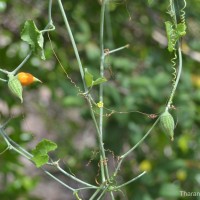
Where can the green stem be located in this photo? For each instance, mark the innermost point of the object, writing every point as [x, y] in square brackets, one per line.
[132, 180]
[173, 15]
[177, 78]
[112, 195]
[74, 178]
[50, 26]
[26, 155]
[95, 194]
[4, 71]
[58, 180]
[3, 80]
[12, 145]
[104, 164]
[115, 50]
[50, 11]
[80, 69]
[86, 188]
[73, 43]
[21, 64]
[102, 151]
[134, 147]
[102, 194]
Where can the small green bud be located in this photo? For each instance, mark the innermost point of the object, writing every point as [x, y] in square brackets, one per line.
[167, 124]
[15, 86]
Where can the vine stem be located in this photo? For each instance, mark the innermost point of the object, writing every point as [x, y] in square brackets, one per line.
[104, 190]
[73, 43]
[50, 11]
[95, 193]
[132, 180]
[101, 88]
[177, 78]
[13, 145]
[84, 84]
[101, 195]
[7, 139]
[112, 195]
[1, 79]
[4, 71]
[58, 180]
[21, 64]
[115, 50]
[173, 15]
[17, 68]
[122, 157]
[74, 178]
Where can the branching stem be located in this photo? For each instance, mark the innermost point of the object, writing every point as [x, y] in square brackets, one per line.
[122, 157]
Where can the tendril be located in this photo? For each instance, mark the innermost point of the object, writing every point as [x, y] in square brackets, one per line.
[174, 73]
[182, 15]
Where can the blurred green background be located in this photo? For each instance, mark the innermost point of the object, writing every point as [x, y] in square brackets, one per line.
[139, 79]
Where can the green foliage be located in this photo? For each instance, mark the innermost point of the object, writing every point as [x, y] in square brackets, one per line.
[139, 79]
[89, 79]
[173, 34]
[40, 153]
[181, 29]
[33, 37]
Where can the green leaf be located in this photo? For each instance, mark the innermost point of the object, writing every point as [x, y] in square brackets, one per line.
[40, 160]
[99, 81]
[40, 153]
[33, 37]
[181, 29]
[172, 36]
[88, 78]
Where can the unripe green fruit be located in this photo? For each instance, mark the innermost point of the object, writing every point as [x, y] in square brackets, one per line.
[167, 124]
[15, 86]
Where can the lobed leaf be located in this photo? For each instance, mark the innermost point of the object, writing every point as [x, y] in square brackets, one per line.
[33, 37]
[40, 153]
